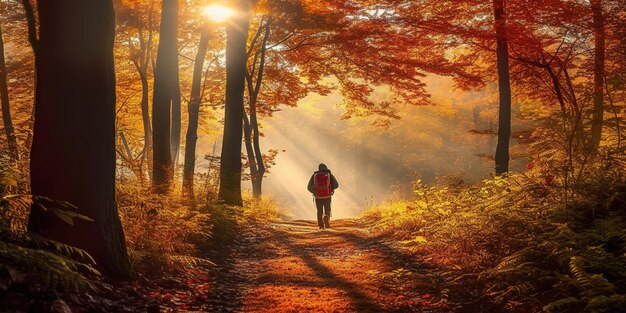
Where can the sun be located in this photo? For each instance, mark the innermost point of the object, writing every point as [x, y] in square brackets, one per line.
[218, 13]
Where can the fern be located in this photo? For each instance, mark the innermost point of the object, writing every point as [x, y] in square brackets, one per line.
[607, 304]
[55, 265]
[51, 271]
[564, 305]
[514, 246]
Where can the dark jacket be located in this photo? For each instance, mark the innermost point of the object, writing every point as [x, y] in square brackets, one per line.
[333, 182]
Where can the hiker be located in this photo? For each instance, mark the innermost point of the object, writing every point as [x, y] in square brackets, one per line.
[322, 185]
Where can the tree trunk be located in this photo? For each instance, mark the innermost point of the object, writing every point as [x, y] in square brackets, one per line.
[6, 108]
[257, 180]
[230, 169]
[73, 153]
[176, 123]
[476, 116]
[34, 43]
[194, 113]
[251, 126]
[247, 136]
[257, 186]
[492, 131]
[145, 89]
[504, 88]
[145, 117]
[141, 65]
[165, 91]
[598, 76]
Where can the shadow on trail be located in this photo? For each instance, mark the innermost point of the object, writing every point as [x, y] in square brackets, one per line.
[392, 256]
[226, 291]
[360, 301]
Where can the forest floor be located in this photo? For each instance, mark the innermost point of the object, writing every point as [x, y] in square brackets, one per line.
[296, 267]
[284, 267]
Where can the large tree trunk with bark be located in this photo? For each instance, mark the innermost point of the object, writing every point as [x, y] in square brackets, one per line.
[165, 93]
[194, 112]
[504, 88]
[73, 153]
[230, 169]
[598, 76]
[6, 108]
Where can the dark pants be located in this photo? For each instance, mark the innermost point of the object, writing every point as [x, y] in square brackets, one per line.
[323, 207]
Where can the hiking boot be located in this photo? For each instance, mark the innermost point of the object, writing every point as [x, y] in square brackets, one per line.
[326, 221]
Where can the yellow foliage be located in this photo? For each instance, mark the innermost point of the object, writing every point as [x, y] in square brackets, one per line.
[160, 231]
[261, 209]
[519, 236]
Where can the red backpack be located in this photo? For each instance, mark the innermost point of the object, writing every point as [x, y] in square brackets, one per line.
[321, 184]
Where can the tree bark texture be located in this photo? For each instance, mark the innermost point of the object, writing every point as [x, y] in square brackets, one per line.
[165, 92]
[230, 169]
[73, 152]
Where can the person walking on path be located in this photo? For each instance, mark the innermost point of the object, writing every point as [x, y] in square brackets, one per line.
[322, 185]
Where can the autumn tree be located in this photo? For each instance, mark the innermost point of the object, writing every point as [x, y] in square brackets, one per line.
[598, 74]
[504, 89]
[6, 107]
[32, 39]
[230, 169]
[16, 75]
[136, 25]
[73, 153]
[254, 79]
[312, 41]
[615, 71]
[193, 110]
[361, 46]
[547, 50]
[166, 97]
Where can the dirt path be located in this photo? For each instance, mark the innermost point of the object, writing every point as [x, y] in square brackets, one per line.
[295, 267]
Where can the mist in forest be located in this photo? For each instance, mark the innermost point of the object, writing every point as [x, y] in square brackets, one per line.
[374, 163]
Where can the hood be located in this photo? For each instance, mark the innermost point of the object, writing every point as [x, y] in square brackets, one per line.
[323, 168]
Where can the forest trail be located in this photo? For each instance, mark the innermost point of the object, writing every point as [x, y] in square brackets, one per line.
[296, 267]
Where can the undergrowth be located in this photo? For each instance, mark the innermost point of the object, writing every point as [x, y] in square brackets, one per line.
[32, 262]
[167, 234]
[523, 243]
[228, 220]
[260, 209]
[161, 231]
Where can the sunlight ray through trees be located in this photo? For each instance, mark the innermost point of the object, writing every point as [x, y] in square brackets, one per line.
[477, 151]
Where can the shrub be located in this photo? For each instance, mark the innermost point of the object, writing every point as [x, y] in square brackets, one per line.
[260, 209]
[161, 231]
[523, 243]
